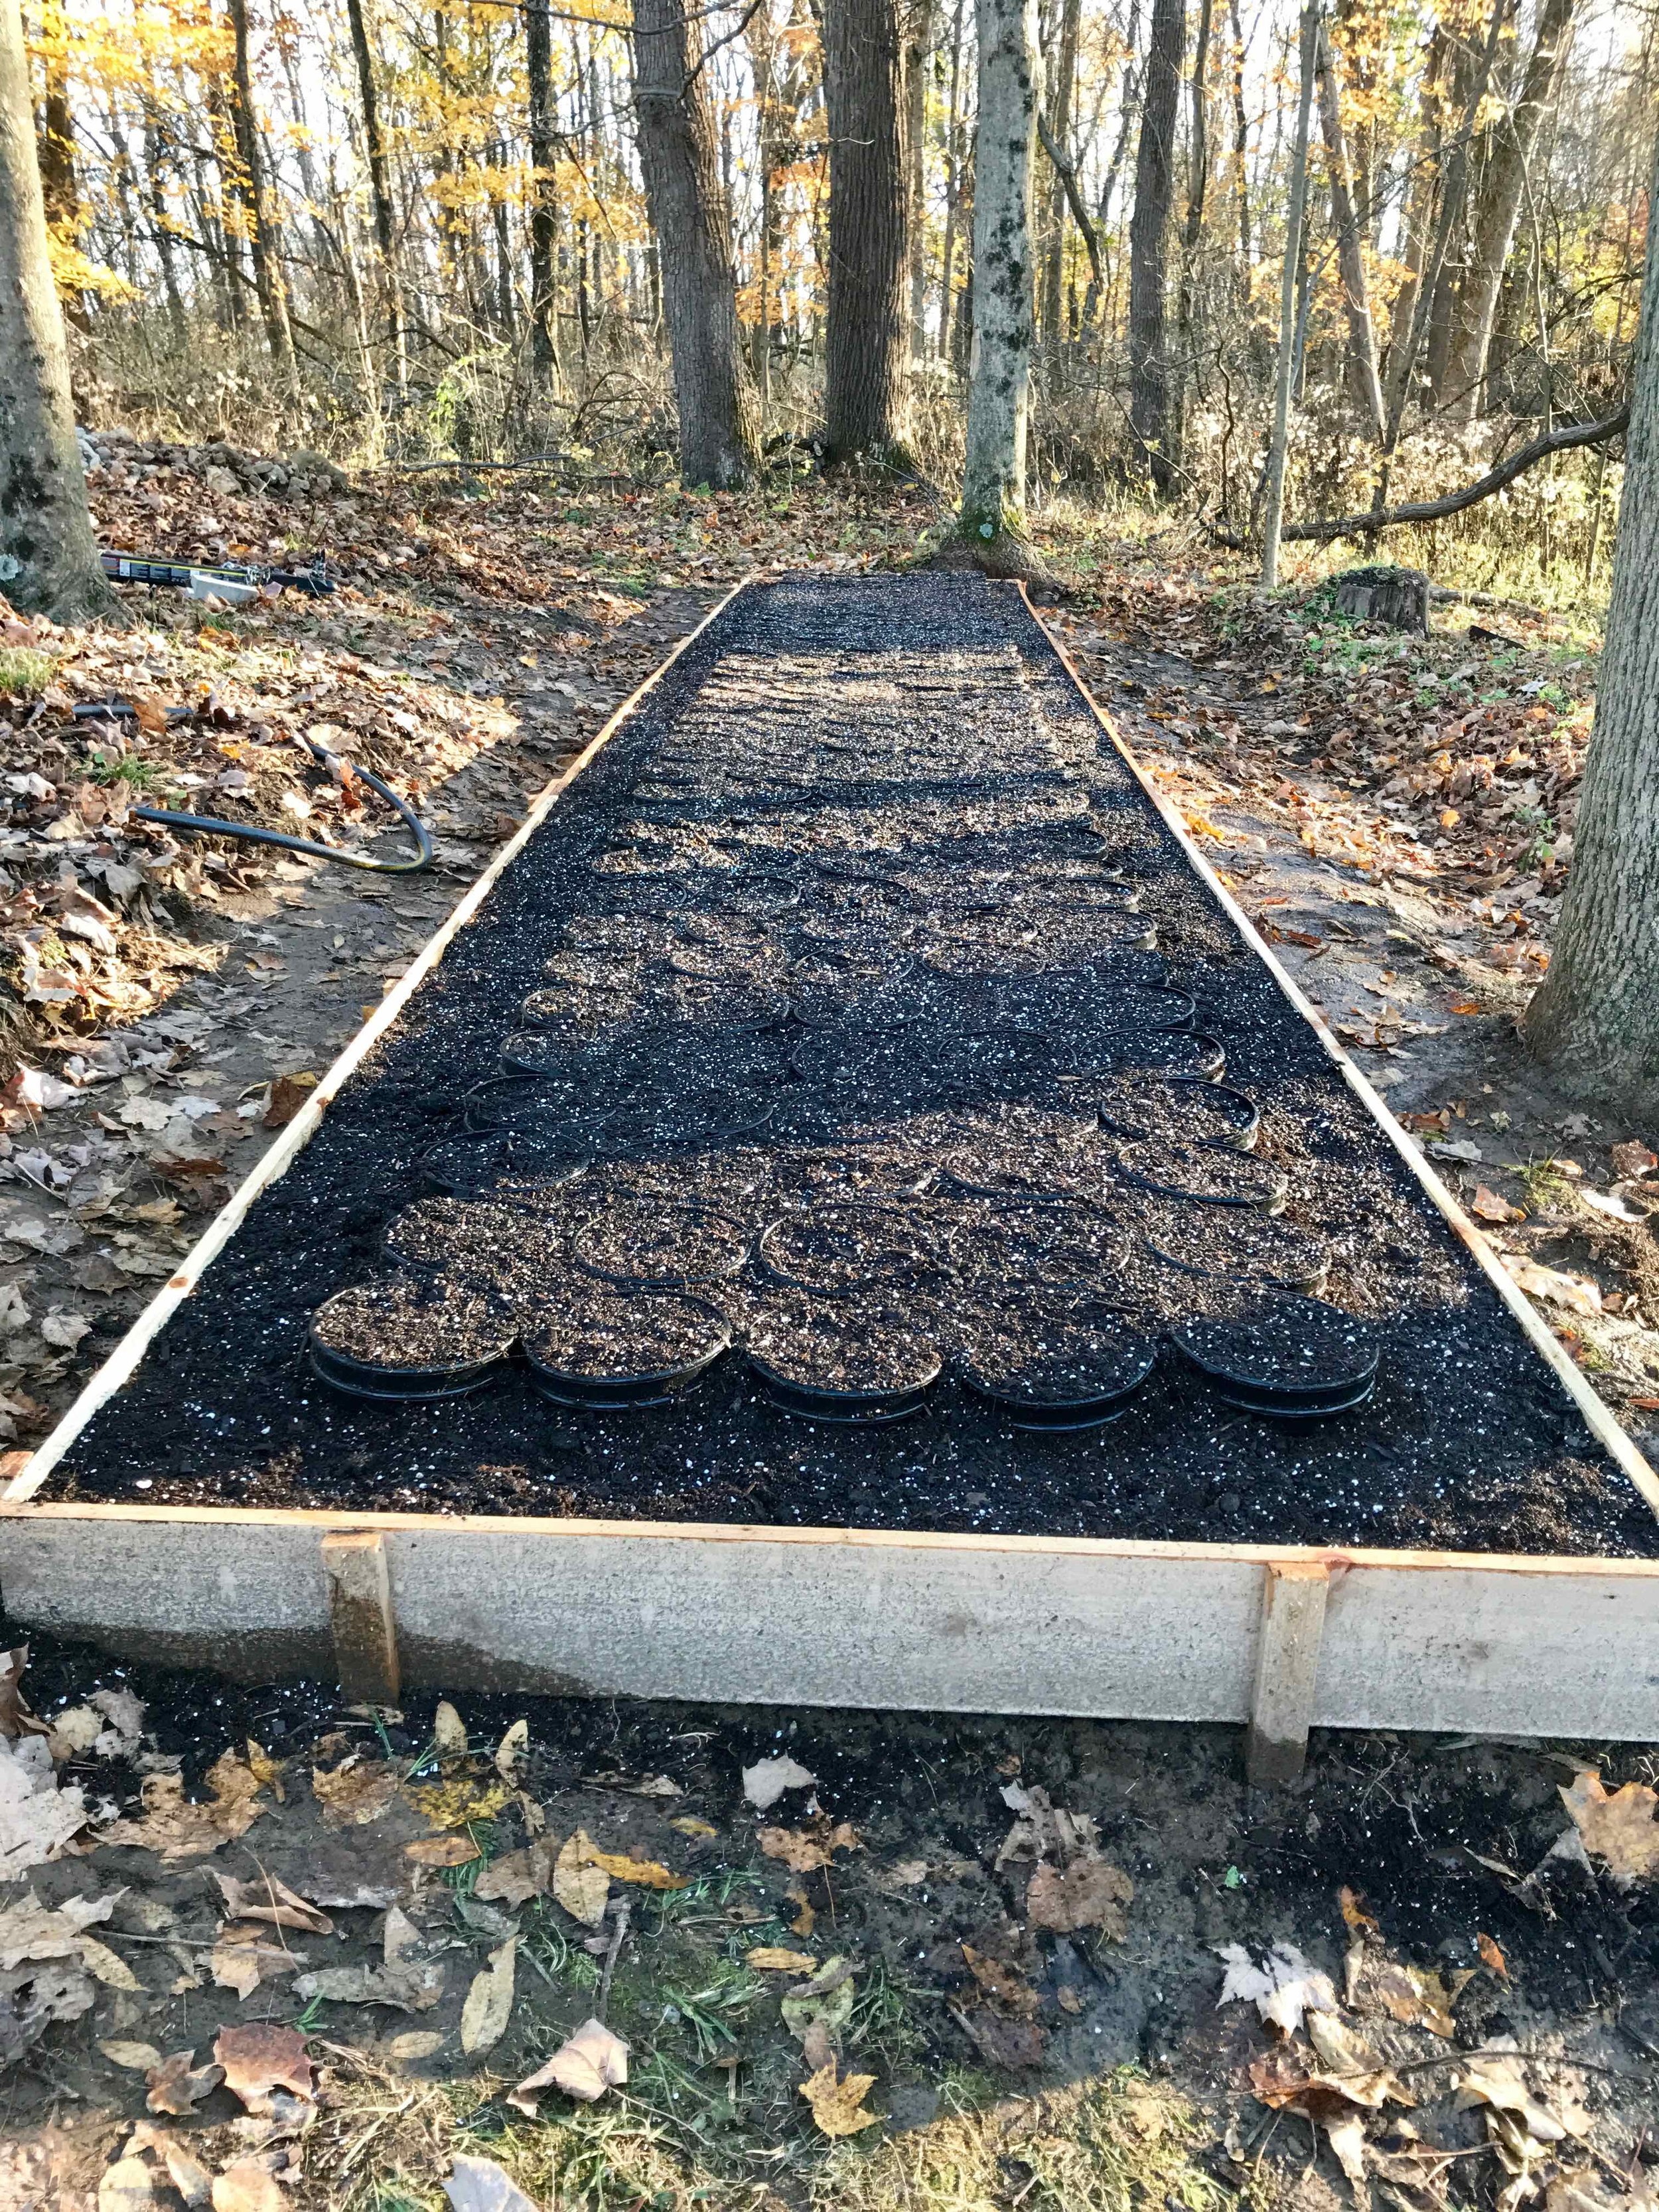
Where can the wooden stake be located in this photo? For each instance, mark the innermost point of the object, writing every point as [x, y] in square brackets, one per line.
[360, 1610]
[1286, 1672]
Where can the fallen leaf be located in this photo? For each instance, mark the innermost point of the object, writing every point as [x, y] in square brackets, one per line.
[1068, 2000]
[247, 2187]
[1090, 1892]
[272, 1900]
[581, 1854]
[459, 1800]
[765, 1781]
[688, 1825]
[1004, 1982]
[823, 2005]
[1495, 2077]
[804, 1849]
[1346, 2133]
[510, 1750]
[1487, 1206]
[1632, 1160]
[404, 1980]
[125, 2187]
[1283, 1988]
[448, 1731]
[1621, 1828]
[177, 2085]
[442, 1850]
[806, 1918]
[416, 2043]
[37, 1818]
[1002, 2041]
[288, 1093]
[1415, 1996]
[1492, 1955]
[179, 1829]
[489, 2004]
[585, 2066]
[517, 1876]
[242, 1958]
[267, 1770]
[578, 1885]
[838, 2106]
[1354, 1912]
[1572, 1291]
[355, 1793]
[137, 2058]
[478, 2184]
[258, 2059]
[768, 1958]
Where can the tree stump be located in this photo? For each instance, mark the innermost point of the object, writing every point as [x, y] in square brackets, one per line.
[1397, 598]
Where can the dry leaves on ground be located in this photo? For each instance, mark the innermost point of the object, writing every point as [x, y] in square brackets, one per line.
[260, 2061]
[768, 1958]
[1620, 1828]
[179, 1829]
[272, 1900]
[48, 1966]
[356, 1791]
[1283, 1988]
[489, 2004]
[1074, 1885]
[838, 2106]
[244, 1955]
[177, 2084]
[247, 2187]
[766, 1780]
[37, 1818]
[1415, 1997]
[406, 1979]
[515, 1878]
[804, 1851]
[585, 2066]
[478, 2184]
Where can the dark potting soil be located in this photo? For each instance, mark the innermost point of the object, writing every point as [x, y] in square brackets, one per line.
[859, 985]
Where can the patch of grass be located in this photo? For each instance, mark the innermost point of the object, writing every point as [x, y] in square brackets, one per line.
[26, 670]
[1545, 1183]
[138, 774]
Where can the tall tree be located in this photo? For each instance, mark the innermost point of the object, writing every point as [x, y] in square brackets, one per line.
[865, 349]
[48, 557]
[994, 469]
[1284, 367]
[380, 193]
[1062, 90]
[1595, 1017]
[1351, 258]
[543, 205]
[267, 278]
[680, 158]
[1497, 210]
[1150, 414]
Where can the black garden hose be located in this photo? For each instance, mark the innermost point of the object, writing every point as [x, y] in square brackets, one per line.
[251, 832]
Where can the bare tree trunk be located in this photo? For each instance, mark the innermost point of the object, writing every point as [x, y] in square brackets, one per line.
[1498, 209]
[262, 245]
[544, 207]
[953, 166]
[865, 343]
[1472, 79]
[1350, 259]
[993, 471]
[1596, 1018]
[719, 426]
[48, 557]
[1419, 217]
[161, 230]
[1149, 228]
[1274, 512]
[1061, 93]
[1240, 150]
[1192, 228]
[380, 193]
[918, 53]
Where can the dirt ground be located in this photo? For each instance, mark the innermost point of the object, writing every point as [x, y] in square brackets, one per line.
[1491, 2025]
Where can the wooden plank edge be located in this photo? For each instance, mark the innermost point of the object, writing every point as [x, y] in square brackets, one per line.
[124, 1360]
[1286, 1673]
[1599, 1420]
[1336, 1560]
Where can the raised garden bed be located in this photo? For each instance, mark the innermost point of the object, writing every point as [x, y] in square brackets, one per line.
[863, 1118]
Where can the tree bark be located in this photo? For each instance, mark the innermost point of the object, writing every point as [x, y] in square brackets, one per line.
[1418, 216]
[1350, 259]
[1498, 209]
[48, 557]
[918, 53]
[993, 469]
[1149, 228]
[1059, 125]
[865, 343]
[1278, 450]
[544, 207]
[380, 193]
[1596, 1018]
[953, 171]
[267, 266]
[719, 426]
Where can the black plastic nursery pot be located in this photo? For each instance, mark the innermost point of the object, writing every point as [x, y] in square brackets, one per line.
[858, 903]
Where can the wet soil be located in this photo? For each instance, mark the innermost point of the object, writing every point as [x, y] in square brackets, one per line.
[893, 786]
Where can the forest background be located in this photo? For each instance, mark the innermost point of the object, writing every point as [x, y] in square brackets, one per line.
[407, 235]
